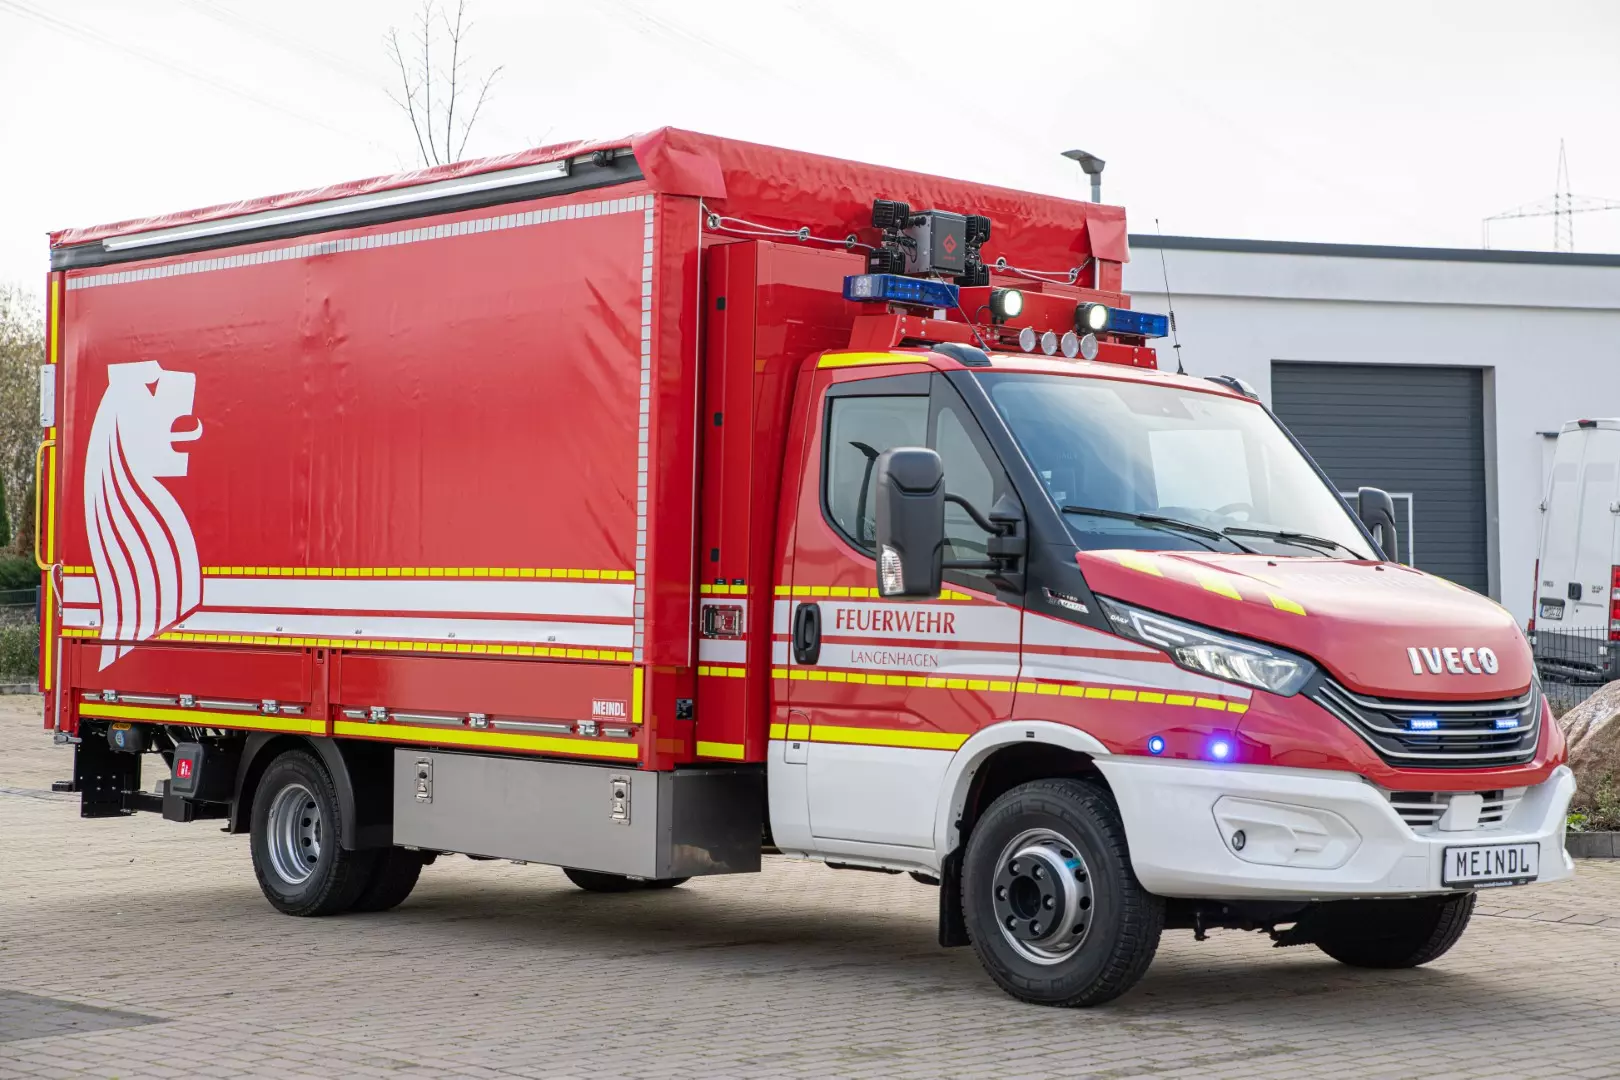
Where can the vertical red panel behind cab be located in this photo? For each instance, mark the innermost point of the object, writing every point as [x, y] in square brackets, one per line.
[766, 308]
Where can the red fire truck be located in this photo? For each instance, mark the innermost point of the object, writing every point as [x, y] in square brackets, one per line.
[641, 506]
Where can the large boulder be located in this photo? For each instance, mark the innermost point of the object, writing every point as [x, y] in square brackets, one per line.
[1593, 731]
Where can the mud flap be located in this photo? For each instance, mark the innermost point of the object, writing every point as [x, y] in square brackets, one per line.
[952, 925]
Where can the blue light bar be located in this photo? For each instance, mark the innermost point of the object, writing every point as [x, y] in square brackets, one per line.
[1505, 722]
[1137, 323]
[1423, 723]
[896, 289]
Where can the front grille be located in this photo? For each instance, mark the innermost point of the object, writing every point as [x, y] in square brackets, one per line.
[1439, 734]
[1422, 810]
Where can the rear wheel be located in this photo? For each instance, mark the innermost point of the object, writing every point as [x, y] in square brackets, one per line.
[1392, 933]
[597, 881]
[1052, 906]
[301, 867]
[392, 879]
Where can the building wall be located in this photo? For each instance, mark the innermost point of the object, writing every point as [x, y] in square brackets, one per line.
[1546, 332]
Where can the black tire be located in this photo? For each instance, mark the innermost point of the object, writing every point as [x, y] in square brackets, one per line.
[296, 788]
[392, 880]
[1073, 824]
[664, 882]
[1392, 933]
[597, 881]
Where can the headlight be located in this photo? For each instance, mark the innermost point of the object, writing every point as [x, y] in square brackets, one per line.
[1208, 653]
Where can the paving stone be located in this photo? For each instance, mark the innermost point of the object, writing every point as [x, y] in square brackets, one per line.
[495, 970]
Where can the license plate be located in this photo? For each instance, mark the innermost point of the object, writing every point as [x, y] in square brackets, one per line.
[1499, 864]
[1552, 610]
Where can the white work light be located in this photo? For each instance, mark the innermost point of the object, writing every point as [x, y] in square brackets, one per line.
[1091, 318]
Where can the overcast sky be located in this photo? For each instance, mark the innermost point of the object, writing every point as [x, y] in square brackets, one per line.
[1365, 122]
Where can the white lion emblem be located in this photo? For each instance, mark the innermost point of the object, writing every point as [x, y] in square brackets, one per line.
[140, 542]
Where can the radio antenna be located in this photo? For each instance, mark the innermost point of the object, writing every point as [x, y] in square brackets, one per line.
[1170, 301]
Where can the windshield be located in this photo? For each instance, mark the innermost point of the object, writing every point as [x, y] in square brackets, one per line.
[1167, 468]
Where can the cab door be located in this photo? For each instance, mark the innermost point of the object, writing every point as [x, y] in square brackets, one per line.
[890, 689]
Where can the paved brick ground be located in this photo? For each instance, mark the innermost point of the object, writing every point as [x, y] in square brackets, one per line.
[134, 948]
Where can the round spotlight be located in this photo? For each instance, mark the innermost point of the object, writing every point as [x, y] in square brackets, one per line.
[1006, 304]
[1026, 339]
[1049, 343]
[1088, 347]
[1091, 318]
[1156, 744]
[1220, 749]
[1070, 344]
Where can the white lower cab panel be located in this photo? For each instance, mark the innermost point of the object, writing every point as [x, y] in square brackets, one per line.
[875, 794]
[1232, 832]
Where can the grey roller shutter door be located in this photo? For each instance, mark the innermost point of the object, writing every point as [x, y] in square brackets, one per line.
[1416, 430]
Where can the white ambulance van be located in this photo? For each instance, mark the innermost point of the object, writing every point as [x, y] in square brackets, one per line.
[1577, 602]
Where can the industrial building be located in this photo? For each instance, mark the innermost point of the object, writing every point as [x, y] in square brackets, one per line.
[1441, 375]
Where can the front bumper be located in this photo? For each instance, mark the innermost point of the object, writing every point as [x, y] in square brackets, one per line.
[1308, 834]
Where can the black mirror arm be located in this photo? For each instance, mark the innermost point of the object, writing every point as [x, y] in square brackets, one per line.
[1001, 528]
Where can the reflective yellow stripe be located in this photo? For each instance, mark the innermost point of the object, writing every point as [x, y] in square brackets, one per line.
[488, 740]
[205, 718]
[920, 740]
[1135, 560]
[729, 750]
[801, 732]
[866, 359]
[1282, 603]
[722, 672]
[979, 686]
[778, 731]
[554, 573]
[637, 693]
[726, 590]
[1217, 583]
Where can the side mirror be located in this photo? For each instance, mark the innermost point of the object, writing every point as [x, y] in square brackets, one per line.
[1377, 511]
[910, 513]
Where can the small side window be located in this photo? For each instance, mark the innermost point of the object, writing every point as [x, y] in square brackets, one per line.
[858, 430]
[971, 471]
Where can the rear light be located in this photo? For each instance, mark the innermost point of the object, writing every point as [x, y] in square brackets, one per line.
[1614, 603]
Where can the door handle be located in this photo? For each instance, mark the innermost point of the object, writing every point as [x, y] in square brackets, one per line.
[807, 633]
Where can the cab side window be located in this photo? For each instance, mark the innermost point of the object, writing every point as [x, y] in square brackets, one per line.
[858, 430]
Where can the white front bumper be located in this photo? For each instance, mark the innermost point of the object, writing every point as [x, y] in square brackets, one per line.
[1308, 833]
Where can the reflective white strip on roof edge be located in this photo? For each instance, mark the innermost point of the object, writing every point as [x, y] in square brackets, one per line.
[495, 223]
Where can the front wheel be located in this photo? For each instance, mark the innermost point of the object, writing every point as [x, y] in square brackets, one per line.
[1052, 905]
[1391, 933]
[301, 867]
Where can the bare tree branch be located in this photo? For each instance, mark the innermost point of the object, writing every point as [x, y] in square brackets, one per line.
[483, 92]
[391, 42]
[455, 72]
[425, 37]
[434, 27]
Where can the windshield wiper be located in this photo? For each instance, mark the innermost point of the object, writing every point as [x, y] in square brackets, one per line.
[1299, 538]
[1161, 522]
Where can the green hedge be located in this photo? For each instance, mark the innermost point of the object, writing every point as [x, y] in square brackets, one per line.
[18, 572]
[19, 652]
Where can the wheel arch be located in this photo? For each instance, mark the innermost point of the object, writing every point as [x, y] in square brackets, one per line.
[997, 758]
[361, 774]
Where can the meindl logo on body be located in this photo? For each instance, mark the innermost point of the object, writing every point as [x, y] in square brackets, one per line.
[609, 710]
[917, 622]
[1451, 660]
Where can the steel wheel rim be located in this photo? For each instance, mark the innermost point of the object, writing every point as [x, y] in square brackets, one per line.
[1042, 896]
[294, 834]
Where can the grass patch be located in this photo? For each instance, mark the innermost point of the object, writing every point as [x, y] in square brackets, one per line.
[1599, 810]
